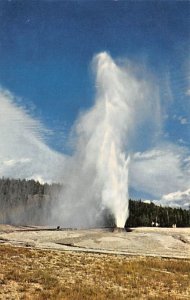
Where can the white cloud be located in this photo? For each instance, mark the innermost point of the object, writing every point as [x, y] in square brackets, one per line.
[146, 201]
[23, 151]
[183, 120]
[177, 195]
[13, 162]
[176, 199]
[160, 171]
[187, 92]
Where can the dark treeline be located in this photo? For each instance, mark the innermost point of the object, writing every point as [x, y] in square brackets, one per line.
[29, 202]
[145, 214]
[26, 201]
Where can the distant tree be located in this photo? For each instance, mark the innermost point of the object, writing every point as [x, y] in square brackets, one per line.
[29, 202]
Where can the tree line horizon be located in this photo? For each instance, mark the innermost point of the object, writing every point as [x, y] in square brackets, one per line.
[28, 202]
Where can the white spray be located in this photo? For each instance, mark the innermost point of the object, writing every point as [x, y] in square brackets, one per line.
[112, 166]
[96, 176]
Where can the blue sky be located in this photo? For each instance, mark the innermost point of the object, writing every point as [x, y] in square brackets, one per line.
[46, 49]
[47, 46]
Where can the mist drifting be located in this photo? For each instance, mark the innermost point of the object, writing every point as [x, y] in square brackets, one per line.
[96, 176]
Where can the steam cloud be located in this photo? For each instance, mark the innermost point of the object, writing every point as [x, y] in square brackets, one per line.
[97, 179]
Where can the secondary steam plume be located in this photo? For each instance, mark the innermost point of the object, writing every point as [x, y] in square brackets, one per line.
[96, 179]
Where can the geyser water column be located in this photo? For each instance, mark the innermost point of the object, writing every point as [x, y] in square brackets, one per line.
[101, 135]
[112, 165]
[96, 175]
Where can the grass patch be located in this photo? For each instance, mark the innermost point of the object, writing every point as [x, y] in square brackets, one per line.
[40, 274]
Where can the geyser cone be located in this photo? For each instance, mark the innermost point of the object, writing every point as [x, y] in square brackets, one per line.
[119, 229]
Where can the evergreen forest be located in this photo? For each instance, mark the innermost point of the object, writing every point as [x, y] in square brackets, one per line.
[27, 202]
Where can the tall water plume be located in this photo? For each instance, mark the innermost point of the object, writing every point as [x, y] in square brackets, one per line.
[96, 176]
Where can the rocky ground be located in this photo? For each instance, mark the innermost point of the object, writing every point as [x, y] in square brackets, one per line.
[161, 242]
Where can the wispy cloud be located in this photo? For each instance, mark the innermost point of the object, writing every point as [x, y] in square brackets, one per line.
[183, 120]
[23, 151]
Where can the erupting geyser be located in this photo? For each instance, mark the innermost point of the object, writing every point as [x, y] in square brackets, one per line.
[96, 176]
[112, 166]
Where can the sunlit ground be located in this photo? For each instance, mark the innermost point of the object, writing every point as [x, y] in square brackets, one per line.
[27, 273]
